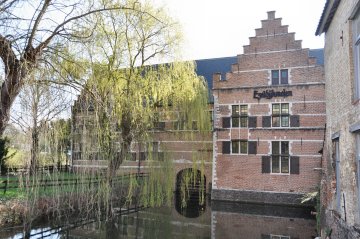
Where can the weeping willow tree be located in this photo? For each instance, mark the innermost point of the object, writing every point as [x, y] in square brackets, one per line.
[127, 92]
[124, 95]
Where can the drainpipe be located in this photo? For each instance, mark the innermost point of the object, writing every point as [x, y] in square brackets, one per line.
[344, 206]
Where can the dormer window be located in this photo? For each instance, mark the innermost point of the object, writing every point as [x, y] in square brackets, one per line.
[279, 77]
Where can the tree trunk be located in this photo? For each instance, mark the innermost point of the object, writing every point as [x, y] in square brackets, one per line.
[117, 159]
[15, 72]
[34, 150]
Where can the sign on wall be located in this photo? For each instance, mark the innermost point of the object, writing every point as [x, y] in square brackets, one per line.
[268, 94]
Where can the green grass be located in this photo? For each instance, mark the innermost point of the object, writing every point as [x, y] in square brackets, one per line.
[67, 181]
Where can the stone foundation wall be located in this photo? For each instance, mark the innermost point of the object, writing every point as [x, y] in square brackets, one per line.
[274, 198]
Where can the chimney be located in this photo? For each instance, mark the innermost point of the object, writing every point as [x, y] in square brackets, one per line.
[271, 15]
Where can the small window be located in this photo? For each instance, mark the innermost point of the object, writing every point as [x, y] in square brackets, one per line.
[279, 237]
[284, 77]
[239, 147]
[275, 77]
[279, 77]
[280, 159]
[211, 115]
[239, 116]
[280, 115]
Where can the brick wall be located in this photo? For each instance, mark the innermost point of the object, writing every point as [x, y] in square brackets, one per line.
[342, 112]
[273, 48]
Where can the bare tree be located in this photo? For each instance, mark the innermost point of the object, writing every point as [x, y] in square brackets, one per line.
[32, 31]
[39, 103]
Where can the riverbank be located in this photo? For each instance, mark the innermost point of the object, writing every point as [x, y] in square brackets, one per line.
[12, 212]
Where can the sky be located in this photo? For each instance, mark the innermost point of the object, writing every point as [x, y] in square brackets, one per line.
[220, 28]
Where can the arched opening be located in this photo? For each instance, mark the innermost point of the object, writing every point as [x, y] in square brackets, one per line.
[190, 193]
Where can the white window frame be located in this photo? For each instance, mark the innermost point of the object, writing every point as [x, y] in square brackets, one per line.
[279, 237]
[280, 156]
[280, 115]
[240, 116]
[239, 140]
[280, 76]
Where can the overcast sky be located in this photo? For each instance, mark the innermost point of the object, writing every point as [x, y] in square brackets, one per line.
[219, 28]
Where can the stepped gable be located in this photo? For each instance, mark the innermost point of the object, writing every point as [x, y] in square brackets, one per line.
[273, 47]
[272, 36]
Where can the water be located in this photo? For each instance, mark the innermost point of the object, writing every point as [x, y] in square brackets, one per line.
[220, 220]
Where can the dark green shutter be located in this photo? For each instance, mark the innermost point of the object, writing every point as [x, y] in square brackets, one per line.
[226, 122]
[294, 165]
[252, 122]
[226, 147]
[133, 157]
[265, 164]
[266, 121]
[265, 236]
[294, 121]
[142, 156]
[252, 147]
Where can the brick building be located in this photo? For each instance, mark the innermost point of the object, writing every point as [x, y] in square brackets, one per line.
[269, 120]
[340, 21]
[169, 138]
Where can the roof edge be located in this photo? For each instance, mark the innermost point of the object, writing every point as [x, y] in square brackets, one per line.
[327, 16]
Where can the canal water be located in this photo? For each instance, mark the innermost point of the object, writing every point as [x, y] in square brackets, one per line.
[220, 220]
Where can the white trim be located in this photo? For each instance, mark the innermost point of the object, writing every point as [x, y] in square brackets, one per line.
[270, 140]
[267, 103]
[247, 87]
[261, 70]
[271, 52]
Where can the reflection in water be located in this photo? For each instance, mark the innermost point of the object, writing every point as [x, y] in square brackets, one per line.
[237, 220]
[190, 191]
[220, 220]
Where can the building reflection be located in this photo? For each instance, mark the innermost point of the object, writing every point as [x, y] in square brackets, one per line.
[217, 220]
[237, 220]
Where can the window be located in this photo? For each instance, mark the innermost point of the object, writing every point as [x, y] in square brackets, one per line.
[239, 147]
[337, 173]
[280, 115]
[356, 40]
[280, 162]
[279, 237]
[279, 77]
[211, 114]
[239, 116]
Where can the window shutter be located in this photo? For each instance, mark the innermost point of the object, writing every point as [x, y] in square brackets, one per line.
[252, 147]
[133, 156]
[252, 121]
[176, 125]
[265, 164]
[294, 121]
[266, 121]
[265, 236]
[294, 165]
[162, 125]
[142, 156]
[226, 122]
[226, 147]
